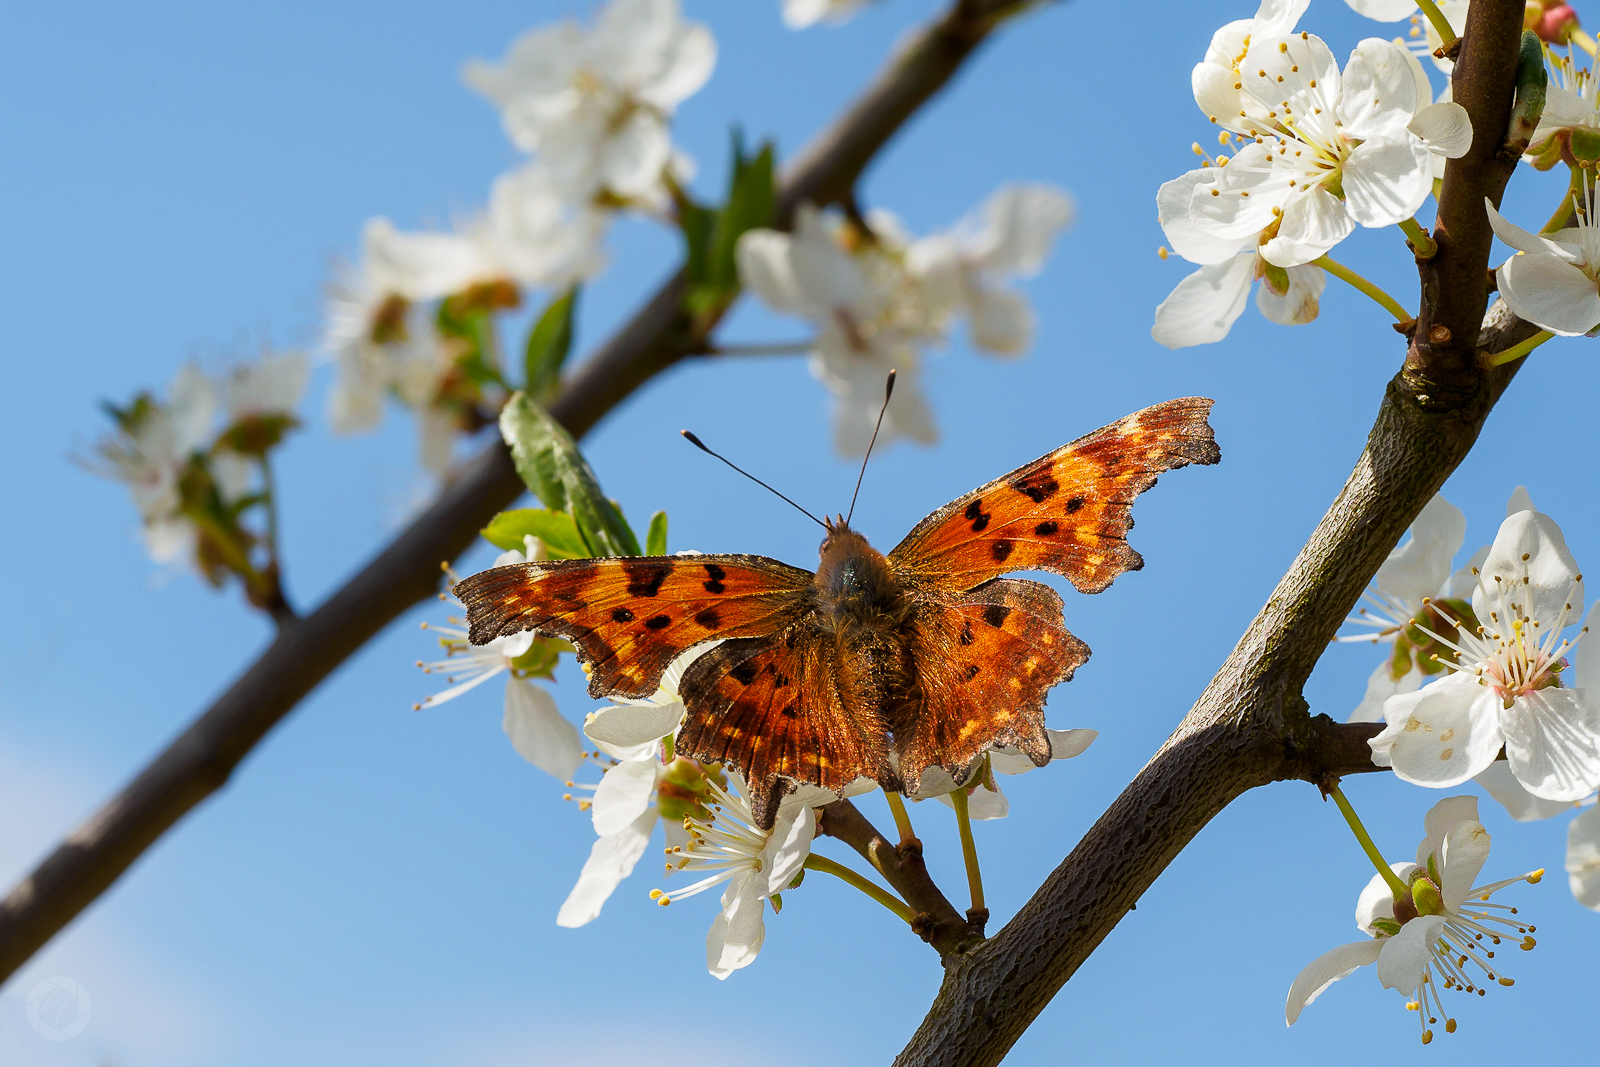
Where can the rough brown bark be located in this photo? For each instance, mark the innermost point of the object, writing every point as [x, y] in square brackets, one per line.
[306, 650]
[1252, 725]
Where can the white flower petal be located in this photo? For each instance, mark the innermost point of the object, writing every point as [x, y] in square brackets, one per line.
[1300, 304]
[624, 793]
[1553, 742]
[1203, 307]
[739, 929]
[1420, 567]
[1465, 850]
[1276, 17]
[1216, 92]
[1020, 223]
[983, 803]
[630, 725]
[1443, 817]
[1586, 660]
[1384, 10]
[1387, 180]
[1528, 572]
[1312, 223]
[1404, 957]
[1002, 321]
[1440, 735]
[1583, 858]
[1380, 94]
[765, 269]
[1380, 687]
[610, 861]
[1325, 970]
[1521, 239]
[1219, 208]
[1446, 127]
[1550, 292]
[1193, 243]
[789, 845]
[1377, 899]
[1520, 804]
[633, 157]
[538, 732]
[692, 59]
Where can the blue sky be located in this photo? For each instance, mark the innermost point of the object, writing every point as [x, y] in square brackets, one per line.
[377, 884]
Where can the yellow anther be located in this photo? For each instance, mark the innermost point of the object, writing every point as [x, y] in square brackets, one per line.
[1507, 981]
[1533, 879]
[656, 894]
[1162, 252]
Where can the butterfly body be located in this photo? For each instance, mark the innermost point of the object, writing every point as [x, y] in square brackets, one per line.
[877, 666]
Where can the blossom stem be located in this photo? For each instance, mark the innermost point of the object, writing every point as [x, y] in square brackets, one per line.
[777, 348]
[1345, 274]
[1582, 40]
[1440, 23]
[902, 819]
[815, 862]
[1522, 348]
[1423, 245]
[269, 492]
[969, 849]
[1350, 816]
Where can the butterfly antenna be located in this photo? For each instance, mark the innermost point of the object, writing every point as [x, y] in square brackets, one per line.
[701, 445]
[888, 391]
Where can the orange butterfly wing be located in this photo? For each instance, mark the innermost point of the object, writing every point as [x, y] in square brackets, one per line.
[772, 707]
[630, 617]
[984, 664]
[1068, 512]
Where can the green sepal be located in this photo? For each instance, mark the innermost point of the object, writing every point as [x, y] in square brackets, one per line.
[799, 876]
[556, 529]
[1386, 926]
[541, 658]
[1584, 145]
[256, 435]
[776, 900]
[549, 343]
[655, 539]
[556, 473]
[1427, 898]
[1400, 661]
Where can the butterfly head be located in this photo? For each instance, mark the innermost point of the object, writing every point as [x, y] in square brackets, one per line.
[853, 578]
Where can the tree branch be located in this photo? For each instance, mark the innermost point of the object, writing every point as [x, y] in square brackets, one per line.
[933, 917]
[1252, 726]
[201, 759]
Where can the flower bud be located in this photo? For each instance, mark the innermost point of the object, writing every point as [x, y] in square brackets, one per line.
[1427, 898]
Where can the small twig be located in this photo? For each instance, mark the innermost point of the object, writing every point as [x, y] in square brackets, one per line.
[777, 348]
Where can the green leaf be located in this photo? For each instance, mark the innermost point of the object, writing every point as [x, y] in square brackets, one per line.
[556, 529]
[750, 205]
[655, 540]
[549, 342]
[696, 223]
[556, 473]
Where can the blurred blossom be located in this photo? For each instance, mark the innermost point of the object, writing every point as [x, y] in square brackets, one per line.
[984, 798]
[798, 14]
[595, 104]
[876, 297]
[154, 444]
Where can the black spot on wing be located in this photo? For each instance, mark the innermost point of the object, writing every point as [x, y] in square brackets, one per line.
[622, 615]
[645, 578]
[975, 515]
[1038, 488]
[1046, 528]
[714, 576]
[1074, 504]
[657, 622]
[972, 671]
[966, 633]
[995, 614]
[1000, 550]
[744, 673]
[709, 618]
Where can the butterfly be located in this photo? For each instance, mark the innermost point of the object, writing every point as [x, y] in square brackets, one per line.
[876, 666]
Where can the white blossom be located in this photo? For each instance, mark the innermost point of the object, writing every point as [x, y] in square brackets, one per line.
[1505, 686]
[531, 720]
[1583, 858]
[757, 865]
[1448, 923]
[1572, 100]
[1327, 150]
[1415, 572]
[1553, 281]
[1204, 306]
[596, 104]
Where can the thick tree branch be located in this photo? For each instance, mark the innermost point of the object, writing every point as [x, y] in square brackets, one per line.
[933, 917]
[306, 650]
[1252, 726]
